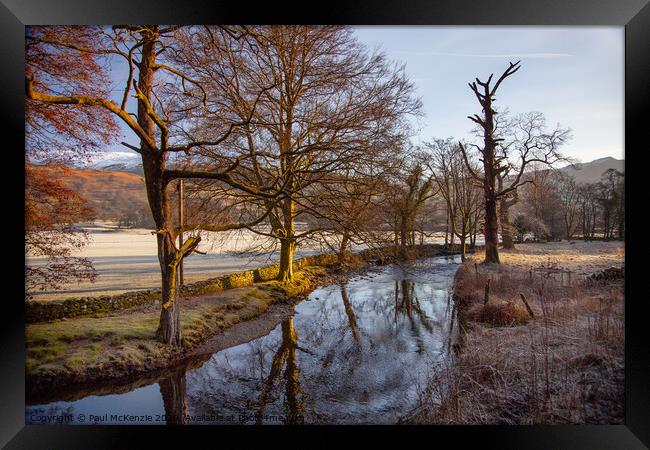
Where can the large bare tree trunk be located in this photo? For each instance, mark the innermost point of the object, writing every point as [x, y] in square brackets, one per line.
[287, 249]
[153, 164]
[169, 329]
[489, 185]
[169, 326]
[287, 242]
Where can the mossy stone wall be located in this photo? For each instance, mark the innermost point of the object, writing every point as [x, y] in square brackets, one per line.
[47, 311]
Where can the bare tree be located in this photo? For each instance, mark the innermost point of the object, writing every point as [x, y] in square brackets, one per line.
[611, 199]
[588, 201]
[350, 212]
[568, 193]
[541, 204]
[406, 197]
[528, 139]
[144, 49]
[443, 167]
[457, 187]
[327, 104]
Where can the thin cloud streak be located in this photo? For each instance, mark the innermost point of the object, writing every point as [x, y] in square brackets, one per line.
[479, 55]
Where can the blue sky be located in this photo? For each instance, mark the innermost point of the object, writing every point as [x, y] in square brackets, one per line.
[574, 75]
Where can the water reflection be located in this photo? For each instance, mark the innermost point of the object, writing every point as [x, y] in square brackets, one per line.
[354, 353]
[173, 390]
[352, 319]
[285, 357]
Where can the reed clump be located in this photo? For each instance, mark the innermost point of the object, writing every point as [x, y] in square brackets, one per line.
[564, 363]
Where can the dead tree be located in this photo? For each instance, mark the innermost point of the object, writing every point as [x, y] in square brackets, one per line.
[489, 158]
[508, 147]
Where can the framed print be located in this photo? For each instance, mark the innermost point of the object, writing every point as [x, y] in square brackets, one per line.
[375, 214]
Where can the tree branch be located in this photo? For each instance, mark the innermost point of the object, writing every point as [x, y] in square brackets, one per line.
[512, 68]
[90, 101]
[169, 175]
[467, 164]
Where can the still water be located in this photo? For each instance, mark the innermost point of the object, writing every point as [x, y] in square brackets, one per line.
[353, 353]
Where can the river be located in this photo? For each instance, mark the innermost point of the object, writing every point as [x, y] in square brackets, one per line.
[359, 352]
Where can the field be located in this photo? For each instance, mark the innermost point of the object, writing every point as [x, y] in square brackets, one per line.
[125, 260]
[580, 257]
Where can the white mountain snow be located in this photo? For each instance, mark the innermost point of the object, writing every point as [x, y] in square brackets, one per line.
[116, 160]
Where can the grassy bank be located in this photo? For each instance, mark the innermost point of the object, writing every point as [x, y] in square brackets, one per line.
[560, 362]
[123, 344]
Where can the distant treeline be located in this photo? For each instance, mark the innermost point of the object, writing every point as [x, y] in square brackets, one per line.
[556, 207]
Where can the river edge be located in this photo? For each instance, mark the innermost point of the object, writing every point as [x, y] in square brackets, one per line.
[367, 329]
[62, 386]
[245, 314]
[242, 327]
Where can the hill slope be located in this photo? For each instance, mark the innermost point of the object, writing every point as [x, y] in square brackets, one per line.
[118, 192]
[590, 172]
[113, 195]
[117, 161]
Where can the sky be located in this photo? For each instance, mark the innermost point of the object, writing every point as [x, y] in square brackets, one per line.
[574, 75]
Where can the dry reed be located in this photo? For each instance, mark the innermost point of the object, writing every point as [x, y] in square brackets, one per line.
[565, 365]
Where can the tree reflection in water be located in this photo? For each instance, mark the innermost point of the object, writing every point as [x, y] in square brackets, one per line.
[366, 347]
[173, 391]
[352, 319]
[407, 303]
[285, 356]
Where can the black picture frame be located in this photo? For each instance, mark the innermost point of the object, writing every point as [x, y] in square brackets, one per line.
[634, 15]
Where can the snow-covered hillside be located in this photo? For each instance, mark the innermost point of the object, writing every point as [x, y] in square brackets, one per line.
[116, 160]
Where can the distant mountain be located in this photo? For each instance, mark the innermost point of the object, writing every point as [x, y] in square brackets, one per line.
[116, 161]
[112, 194]
[590, 172]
